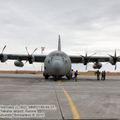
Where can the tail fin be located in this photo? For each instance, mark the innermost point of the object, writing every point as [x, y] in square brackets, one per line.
[59, 43]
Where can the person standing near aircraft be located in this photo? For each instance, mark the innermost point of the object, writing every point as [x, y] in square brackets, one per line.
[98, 74]
[103, 75]
[76, 74]
[72, 74]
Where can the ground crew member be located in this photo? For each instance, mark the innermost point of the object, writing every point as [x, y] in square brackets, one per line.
[72, 74]
[76, 74]
[98, 74]
[103, 75]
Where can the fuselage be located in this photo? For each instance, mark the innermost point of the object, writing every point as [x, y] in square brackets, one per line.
[57, 64]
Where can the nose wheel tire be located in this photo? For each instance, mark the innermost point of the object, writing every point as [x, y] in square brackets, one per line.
[69, 77]
[46, 76]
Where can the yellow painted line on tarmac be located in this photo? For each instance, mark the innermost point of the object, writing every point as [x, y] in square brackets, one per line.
[73, 108]
[75, 112]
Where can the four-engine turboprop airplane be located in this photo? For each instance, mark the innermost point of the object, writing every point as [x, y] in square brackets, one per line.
[58, 63]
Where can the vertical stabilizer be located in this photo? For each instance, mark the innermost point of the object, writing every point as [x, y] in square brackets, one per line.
[59, 43]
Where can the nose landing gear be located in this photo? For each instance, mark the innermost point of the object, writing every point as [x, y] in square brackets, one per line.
[69, 76]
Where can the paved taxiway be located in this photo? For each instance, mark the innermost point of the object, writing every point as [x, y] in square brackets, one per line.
[85, 99]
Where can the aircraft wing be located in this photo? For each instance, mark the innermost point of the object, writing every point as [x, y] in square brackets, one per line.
[41, 58]
[37, 58]
[79, 59]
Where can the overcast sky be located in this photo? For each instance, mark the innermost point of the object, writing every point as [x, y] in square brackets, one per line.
[83, 24]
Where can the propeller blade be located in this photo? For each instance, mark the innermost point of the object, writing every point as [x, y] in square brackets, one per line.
[27, 50]
[111, 56]
[30, 57]
[25, 62]
[34, 51]
[86, 54]
[115, 53]
[81, 56]
[115, 66]
[92, 54]
[3, 49]
[86, 67]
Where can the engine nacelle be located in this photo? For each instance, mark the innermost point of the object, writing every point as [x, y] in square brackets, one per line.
[18, 63]
[3, 58]
[31, 59]
[97, 65]
[112, 61]
[84, 61]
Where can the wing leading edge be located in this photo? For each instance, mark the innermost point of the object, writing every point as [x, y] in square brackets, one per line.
[37, 58]
[79, 59]
[41, 58]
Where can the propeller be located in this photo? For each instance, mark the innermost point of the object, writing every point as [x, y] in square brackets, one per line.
[30, 56]
[114, 59]
[3, 57]
[3, 49]
[86, 59]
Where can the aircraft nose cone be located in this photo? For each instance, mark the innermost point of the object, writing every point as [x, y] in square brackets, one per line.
[57, 66]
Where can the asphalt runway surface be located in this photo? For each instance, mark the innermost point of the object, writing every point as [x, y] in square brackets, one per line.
[87, 98]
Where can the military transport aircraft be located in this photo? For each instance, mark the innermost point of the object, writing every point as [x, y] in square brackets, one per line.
[58, 63]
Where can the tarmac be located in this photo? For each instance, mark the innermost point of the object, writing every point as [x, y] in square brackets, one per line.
[87, 98]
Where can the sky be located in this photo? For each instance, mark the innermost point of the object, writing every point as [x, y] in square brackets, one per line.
[92, 25]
